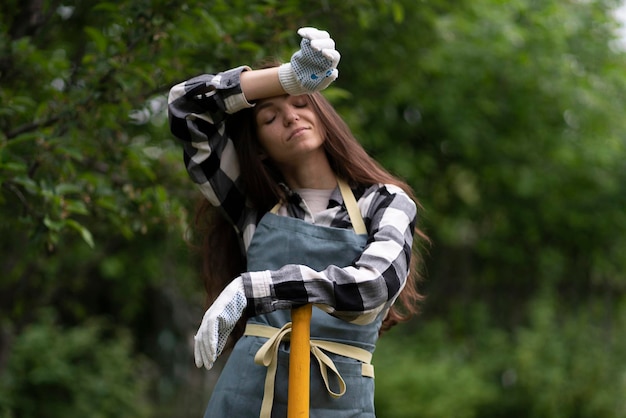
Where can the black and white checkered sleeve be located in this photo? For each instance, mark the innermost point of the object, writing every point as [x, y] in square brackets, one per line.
[197, 110]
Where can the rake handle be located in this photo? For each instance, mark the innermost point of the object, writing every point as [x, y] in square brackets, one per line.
[298, 394]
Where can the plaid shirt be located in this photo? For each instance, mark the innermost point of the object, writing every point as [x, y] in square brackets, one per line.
[198, 109]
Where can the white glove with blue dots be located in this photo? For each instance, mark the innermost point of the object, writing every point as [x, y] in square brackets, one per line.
[218, 322]
[313, 67]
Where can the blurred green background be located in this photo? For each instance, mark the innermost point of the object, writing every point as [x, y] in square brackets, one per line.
[507, 118]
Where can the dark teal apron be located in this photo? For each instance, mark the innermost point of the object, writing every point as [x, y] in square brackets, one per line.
[278, 241]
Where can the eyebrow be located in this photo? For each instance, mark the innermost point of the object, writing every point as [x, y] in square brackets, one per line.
[263, 105]
[269, 102]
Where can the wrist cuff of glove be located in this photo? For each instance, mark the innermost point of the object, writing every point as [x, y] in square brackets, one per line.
[289, 81]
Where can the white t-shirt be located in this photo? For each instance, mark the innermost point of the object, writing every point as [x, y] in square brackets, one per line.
[315, 199]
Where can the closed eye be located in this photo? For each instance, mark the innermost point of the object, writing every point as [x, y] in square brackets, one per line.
[266, 116]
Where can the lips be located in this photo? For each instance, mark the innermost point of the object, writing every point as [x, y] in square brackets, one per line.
[295, 132]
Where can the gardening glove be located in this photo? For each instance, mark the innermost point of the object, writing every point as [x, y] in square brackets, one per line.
[313, 67]
[218, 322]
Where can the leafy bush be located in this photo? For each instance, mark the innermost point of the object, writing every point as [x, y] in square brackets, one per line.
[85, 371]
[430, 375]
[561, 364]
[571, 364]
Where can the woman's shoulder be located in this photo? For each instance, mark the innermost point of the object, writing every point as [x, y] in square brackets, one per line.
[382, 190]
[384, 195]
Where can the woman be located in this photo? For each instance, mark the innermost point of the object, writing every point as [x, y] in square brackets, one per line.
[316, 221]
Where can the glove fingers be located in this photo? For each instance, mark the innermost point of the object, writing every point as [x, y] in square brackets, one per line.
[209, 347]
[207, 358]
[332, 55]
[202, 351]
[312, 33]
[321, 44]
[200, 355]
[197, 354]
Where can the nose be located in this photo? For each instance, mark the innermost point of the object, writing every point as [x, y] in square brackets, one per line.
[290, 117]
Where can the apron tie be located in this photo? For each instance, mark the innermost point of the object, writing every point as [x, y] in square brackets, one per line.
[267, 356]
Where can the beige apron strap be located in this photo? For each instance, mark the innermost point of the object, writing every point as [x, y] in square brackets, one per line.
[326, 363]
[267, 356]
[350, 351]
[351, 206]
[274, 210]
[353, 210]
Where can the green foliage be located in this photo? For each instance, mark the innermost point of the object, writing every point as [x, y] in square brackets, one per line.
[429, 375]
[70, 151]
[561, 364]
[76, 372]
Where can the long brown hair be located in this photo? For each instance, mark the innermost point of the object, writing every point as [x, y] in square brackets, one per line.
[222, 259]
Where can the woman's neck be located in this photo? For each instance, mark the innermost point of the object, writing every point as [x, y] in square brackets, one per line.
[314, 174]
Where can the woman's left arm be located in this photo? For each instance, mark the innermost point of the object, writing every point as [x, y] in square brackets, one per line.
[356, 293]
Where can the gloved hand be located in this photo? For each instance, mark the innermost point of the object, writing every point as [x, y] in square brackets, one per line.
[218, 322]
[313, 67]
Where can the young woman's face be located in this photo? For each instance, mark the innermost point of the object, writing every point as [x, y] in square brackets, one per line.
[288, 129]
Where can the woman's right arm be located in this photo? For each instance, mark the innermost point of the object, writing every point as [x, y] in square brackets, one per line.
[198, 109]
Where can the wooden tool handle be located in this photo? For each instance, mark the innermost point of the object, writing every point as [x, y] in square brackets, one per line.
[298, 395]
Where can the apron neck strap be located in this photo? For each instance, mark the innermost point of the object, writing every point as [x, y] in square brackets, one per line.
[348, 199]
[277, 206]
[351, 206]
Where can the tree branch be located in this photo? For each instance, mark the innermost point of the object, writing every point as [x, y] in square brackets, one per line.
[33, 126]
